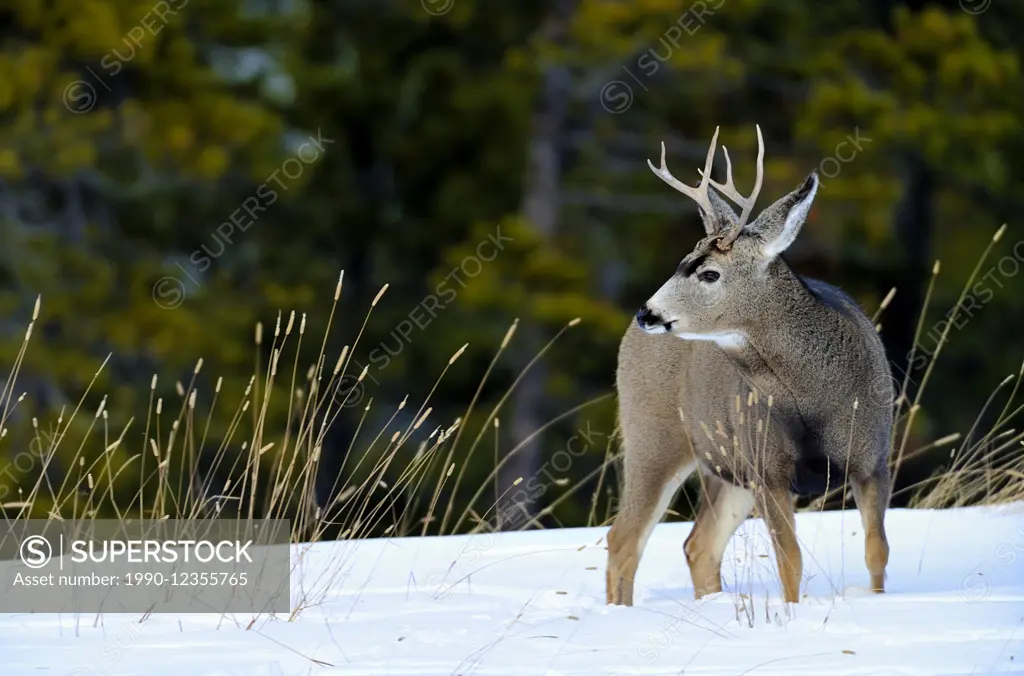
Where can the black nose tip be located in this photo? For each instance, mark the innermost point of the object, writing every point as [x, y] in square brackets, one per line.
[645, 318]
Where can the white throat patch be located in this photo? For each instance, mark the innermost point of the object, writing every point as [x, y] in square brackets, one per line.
[727, 340]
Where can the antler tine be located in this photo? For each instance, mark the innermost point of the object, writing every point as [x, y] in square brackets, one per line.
[730, 191]
[709, 161]
[698, 194]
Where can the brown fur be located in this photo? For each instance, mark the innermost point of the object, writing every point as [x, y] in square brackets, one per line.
[761, 416]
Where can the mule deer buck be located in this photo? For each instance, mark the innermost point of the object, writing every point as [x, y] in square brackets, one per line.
[769, 383]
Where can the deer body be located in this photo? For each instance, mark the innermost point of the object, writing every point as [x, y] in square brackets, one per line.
[749, 373]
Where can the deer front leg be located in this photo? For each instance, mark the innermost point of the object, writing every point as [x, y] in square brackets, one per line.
[723, 507]
[651, 483]
[777, 507]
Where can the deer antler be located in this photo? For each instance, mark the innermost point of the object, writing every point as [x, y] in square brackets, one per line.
[730, 191]
[700, 193]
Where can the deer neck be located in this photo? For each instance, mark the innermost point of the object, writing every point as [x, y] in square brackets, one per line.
[778, 342]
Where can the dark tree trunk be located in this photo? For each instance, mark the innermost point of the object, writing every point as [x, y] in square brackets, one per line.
[354, 249]
[541, 201]
[913, 229]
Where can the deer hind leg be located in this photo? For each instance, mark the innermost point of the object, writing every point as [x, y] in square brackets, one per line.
[723, 507]
[871, 494]
[653, 475]
[777, 507]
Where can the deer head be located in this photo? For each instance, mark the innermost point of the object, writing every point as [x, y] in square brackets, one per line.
[724, 282]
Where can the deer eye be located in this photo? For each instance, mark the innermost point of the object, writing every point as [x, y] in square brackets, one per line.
[708, 276]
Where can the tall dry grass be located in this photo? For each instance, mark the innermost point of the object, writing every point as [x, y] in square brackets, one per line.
[270, 471]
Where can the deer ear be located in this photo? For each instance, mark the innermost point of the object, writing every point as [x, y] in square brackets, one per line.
[722, 219]
[779, 224]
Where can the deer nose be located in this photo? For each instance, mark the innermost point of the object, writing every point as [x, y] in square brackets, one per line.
[645, 318]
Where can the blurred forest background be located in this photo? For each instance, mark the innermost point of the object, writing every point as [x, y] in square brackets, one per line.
[173, 172]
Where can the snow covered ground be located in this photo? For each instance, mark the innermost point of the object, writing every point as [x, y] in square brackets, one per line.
[533, 603]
